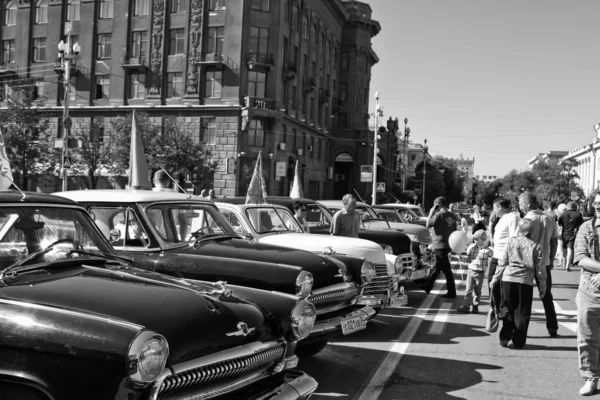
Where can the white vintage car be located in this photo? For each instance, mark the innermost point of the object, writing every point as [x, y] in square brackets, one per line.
[275, 224]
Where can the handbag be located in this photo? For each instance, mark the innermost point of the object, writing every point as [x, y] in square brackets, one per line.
[491, 322]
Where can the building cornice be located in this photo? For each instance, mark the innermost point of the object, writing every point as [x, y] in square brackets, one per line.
[339, 10]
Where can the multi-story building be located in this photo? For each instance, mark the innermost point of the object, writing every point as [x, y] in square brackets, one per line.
[587, 165]
[554, 155]
[289, 78]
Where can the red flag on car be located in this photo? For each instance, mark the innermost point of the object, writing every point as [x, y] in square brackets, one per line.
[138, 166]
[6, 178]
[257, 193]
[296, 191]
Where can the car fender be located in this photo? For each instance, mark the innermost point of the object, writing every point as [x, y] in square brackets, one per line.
[353, 265]
[27, 380]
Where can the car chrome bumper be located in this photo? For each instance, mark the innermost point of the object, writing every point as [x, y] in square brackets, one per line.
[297, 386]
[335, 324]
[371, 300]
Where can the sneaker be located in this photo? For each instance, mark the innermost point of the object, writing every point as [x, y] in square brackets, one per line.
[463, 309]
[589, 387]
[475, 310]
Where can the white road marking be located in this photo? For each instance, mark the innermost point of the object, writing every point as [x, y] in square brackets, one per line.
[395, 353]
[437, 327]
[564, 317]
[331, 394]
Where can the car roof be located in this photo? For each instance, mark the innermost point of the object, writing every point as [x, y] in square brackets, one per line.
[250, 205]
[278, 199]
[14, 196]
[124, 195]
[335, 203]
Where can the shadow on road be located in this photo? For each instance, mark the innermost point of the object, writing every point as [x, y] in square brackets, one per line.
[433, 378]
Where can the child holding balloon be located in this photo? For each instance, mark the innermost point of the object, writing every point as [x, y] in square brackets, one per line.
[478, 257]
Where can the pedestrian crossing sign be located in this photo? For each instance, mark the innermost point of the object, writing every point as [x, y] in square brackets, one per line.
[380, 187]
[67, 162]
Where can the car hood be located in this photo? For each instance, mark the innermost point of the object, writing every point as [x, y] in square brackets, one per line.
[193, 324]
[324, 271]
[319, 243]
[417, 233]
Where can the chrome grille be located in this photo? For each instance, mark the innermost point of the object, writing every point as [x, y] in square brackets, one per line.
[407, 260]
[333, 295]
[202, 380]
[380, 283]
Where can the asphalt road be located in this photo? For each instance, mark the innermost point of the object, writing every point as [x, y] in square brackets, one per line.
[428, 350]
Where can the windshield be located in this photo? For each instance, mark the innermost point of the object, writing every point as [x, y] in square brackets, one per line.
[178, 223]
[408, 214]
[317, 215]
[418, 211]
[28, 229]
[391, 216]
[267, 219]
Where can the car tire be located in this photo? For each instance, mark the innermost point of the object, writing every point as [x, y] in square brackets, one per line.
[15, 391]
[310, 349]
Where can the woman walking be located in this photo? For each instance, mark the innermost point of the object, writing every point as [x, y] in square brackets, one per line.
[517, 271]
[478, 220]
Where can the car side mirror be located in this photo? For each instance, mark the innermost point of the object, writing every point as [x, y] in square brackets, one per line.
[114, 235]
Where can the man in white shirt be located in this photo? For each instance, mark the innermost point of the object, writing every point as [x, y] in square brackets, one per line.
[505, 229]
[544, 233]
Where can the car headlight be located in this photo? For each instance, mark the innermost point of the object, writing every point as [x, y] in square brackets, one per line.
[147, 357]
[388, 249]
[304, 284]
[367, 271]
[399, 265]
[304, 315]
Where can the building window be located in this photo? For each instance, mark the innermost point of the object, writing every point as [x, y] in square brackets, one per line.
[102, 87]
[8, 51]
[40, 88]
[213, 84]
[294, 135]
[284, 132]
[106, 9]
[215, 40]
[73, 10]
[39, 49]
[304, 28]
[216, 5]
[286, 10]
[261, 5]
[313, 40]
[294, 97]
[342, 121]
[343, 91]
[311, 144]
[318, 149]
[104, 40]
[176, 42]
[345, 62]
[174, 84]
[10, 13]
[137, 89]
[41, 12]
[311, 110]
[259, 40]
[257, 84]
[208, 131]
[139, 43]
[175, 6]
[295, 14]
[141, 7]
[256, 134]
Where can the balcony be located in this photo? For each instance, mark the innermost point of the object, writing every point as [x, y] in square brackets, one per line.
[135, 63]
[261, 103]
[261, 62]
[216, 60]
[324, 96]
[260, 107]
[308, 84]
[290, 70]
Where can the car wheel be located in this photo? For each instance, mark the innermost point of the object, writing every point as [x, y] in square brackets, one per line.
[15, 391]
[310, 349]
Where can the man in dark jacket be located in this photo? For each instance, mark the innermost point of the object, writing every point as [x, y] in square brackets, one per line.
[570, 221]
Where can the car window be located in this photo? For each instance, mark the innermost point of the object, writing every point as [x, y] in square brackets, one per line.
[121, 226]
[316, 215]
[234, 221]
[265, 220]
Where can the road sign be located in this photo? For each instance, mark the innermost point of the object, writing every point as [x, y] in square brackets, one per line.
[280, 169]
[366, 173]
[415, 197]
[67, 162]
[418, 189]
[380, 187]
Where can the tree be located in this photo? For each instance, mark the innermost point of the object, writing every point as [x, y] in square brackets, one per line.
[434, 183]
[96, 155]
[171, 147]
[487, 192]
[25, 126]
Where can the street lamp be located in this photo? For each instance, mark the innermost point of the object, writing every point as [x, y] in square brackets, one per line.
[425, 148]
[405, 161]
[378, 113]
[66, 53]
[597, 129]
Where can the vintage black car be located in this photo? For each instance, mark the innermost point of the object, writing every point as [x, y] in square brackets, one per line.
[79, 322]
[176, 234]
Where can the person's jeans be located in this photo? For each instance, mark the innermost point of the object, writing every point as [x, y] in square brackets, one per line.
[548, 302]
[442, 264]
[588, 329]
[474, 285]
[515, 312]
[495, 292]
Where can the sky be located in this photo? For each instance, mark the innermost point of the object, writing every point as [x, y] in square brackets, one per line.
[494, 80]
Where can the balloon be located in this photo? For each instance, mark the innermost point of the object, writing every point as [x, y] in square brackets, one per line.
[458, 241]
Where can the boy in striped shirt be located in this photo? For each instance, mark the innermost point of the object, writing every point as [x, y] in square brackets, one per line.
[478, 257]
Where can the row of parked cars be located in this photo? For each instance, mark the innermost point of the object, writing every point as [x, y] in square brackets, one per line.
[117, 294]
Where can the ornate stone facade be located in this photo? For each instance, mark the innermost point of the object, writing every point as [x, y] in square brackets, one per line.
[156, 57]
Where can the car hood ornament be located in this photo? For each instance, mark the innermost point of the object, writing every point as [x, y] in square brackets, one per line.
[242, 330]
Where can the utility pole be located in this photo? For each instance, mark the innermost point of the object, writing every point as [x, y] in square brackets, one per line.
[425, 148]
[404, 160]
[378, 113]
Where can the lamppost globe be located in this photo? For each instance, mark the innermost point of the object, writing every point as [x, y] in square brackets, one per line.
[62, 46]
[377, 95]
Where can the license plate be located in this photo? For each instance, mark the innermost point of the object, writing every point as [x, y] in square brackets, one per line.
[351, 325]
[398, 301]
[420, 274]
